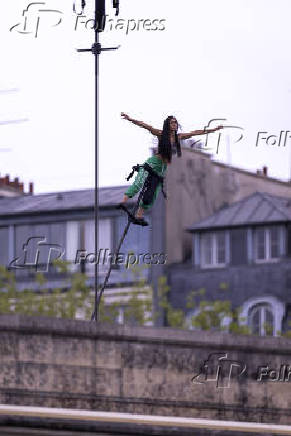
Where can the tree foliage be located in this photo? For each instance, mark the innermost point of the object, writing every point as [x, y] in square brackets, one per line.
[77, 300]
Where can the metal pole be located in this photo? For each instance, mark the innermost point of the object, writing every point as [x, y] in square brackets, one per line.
[96, 159]
[97, 303]
[96, 49]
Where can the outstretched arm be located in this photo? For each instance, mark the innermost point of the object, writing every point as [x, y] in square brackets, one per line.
[151, 129]
[198, 132]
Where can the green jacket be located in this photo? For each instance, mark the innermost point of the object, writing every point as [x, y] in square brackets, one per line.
[158, 166]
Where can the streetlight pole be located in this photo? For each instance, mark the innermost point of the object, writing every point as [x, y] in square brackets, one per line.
[96, 49]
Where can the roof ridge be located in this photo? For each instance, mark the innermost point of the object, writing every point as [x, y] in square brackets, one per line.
[268, 197]
[251, 210]
[230, 206]
[264, 196]
[242, 201]
[67, 192]
[248, 171]
[257, 206]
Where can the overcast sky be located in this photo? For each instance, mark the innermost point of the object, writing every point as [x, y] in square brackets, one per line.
[214, 59]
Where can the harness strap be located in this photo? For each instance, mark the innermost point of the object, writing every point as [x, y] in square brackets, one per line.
[152, 172]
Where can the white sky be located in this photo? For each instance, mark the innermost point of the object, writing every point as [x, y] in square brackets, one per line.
[215, 59]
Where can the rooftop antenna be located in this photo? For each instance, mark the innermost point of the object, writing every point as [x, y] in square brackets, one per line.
[97, 49]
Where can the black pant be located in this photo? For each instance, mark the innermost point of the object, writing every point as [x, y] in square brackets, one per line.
[152, 184]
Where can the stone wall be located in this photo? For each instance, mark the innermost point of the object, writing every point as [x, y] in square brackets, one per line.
[77, 364]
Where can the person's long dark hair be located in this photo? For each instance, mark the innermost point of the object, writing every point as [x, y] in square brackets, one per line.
[164, 148]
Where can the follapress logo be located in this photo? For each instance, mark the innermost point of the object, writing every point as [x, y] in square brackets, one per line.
[220, 370]
[33, 15]
[234, 134]
[38, 17]
[37, 254]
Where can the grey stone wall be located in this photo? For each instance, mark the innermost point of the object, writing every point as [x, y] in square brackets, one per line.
[77, 364]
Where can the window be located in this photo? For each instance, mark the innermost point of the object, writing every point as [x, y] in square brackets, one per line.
[36, 246]
[104, 243]
[268, 243]
[128, 305]
[263, 315]
[72, 244]
[261, 320]
[80, 244]
[214, 249]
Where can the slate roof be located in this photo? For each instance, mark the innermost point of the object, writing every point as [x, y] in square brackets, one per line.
[61, 201]
[258, 208]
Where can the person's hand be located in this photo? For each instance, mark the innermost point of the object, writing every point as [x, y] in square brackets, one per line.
[124, 116]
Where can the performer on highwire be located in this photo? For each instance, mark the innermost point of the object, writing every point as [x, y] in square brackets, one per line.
[169, 144]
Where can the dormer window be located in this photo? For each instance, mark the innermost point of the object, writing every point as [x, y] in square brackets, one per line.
[213, 249]
[268, 243]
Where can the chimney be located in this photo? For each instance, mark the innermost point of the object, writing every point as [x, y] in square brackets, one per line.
[265, 171]
[13, 187]
[31, 188]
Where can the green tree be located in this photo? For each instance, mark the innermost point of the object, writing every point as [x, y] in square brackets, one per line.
[78, 296]
[210, 314]
[137, 304]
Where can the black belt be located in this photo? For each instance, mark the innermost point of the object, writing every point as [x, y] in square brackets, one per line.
[152, 172]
